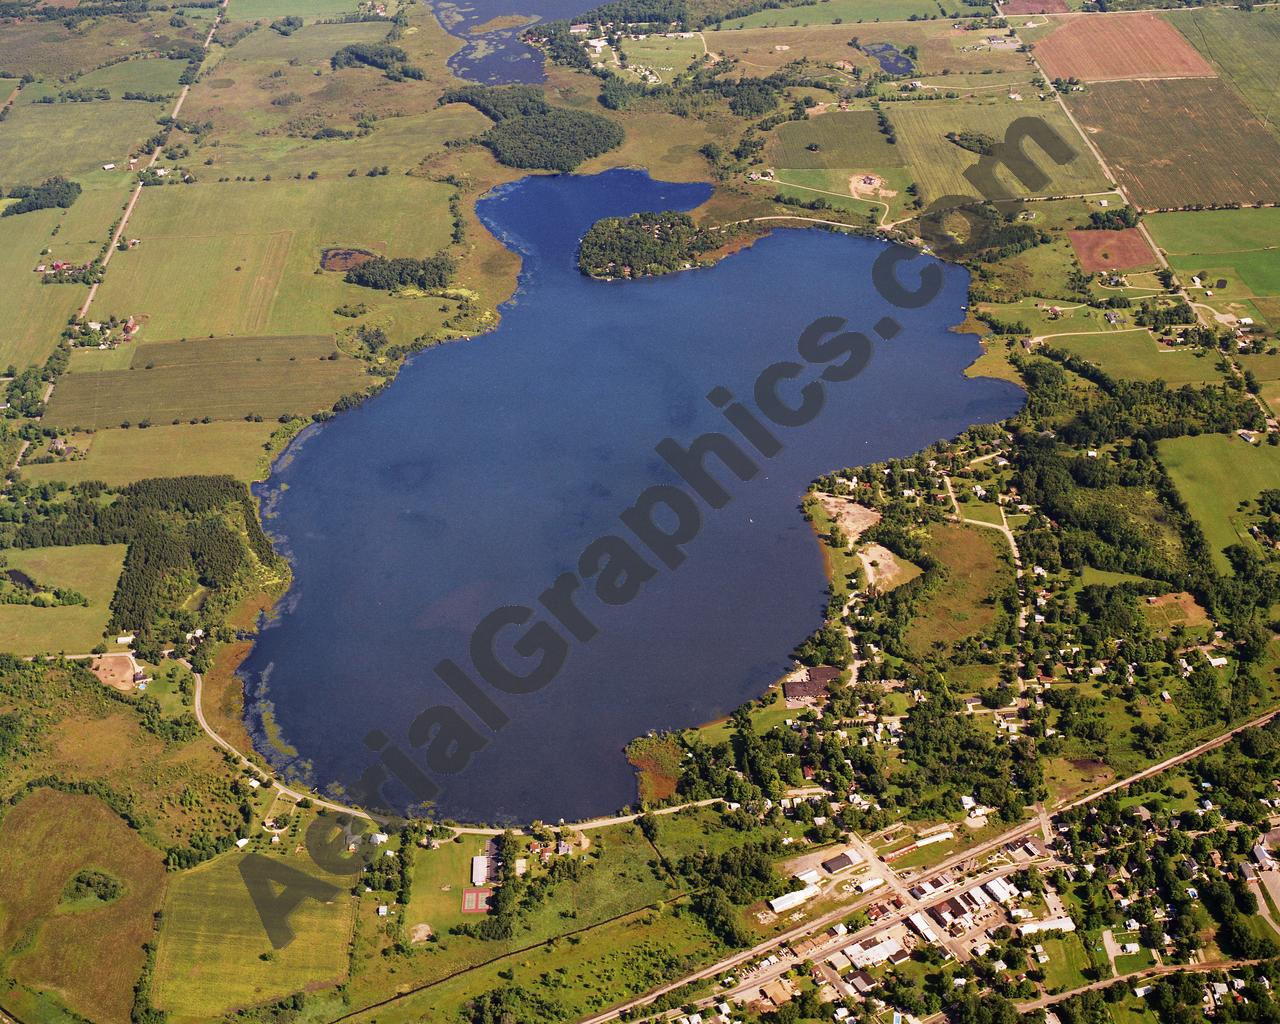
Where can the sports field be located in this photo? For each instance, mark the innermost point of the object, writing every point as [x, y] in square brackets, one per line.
[89, 569]
[439, 876]
[222, 378]
[1105, 49]
[118, 457]
[1126, 249]
[1165, 141]
[88, 954]
[241, 258]
[1134, 355]
[939, 165]
[1244, 46]
[210, 957]
[1214, 473]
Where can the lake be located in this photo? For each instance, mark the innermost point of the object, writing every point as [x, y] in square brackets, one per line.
[481, 474]
[499, 57]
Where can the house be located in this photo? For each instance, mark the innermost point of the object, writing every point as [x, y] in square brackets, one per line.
[108, 167]
[479, 870]
[580, 29]
[382, 910]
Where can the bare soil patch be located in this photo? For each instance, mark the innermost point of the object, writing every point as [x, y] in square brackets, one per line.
[1126, 249]
[420, 933]
[852, 518]
[883, 569]
[1176, 609]
[870, 186]
[1122, 46]
[344, 259]
[116, 670]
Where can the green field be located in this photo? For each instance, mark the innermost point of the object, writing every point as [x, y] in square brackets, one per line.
[829, 12]
[209, 957]
[90, 569]
[939, 165]
[439, 876]
[222, 378]
[1134, 355]
[1266, 367]
[665, 56]
[398, 142]
[1214, 473]
[252, 10]
[151, 75]
[1238, 246]
[242, 258]
[88, 955]
[118, 457]
[1244, 45]
[1067, 962]
[845, 139]
[33, 313]
[73, 139]
[961, 605]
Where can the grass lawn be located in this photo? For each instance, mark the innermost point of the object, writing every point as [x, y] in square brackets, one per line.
[222, 378]
[90, 569]
[1135, 355]
[118, 457]
[1068, 961]
[439, 876]
[211, 939]
[242, 258]
[1210, 231]
[1214, 473]
[961, 605]
[88, 954]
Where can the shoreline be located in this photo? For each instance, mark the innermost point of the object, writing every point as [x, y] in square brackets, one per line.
[264, 495]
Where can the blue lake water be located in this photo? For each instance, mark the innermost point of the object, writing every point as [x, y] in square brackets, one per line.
[487, 467]
[499, 57]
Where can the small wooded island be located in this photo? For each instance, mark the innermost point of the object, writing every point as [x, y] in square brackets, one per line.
[643, 245]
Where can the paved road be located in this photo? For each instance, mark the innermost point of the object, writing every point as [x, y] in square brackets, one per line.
[1018, 832]
[137, 191]
[1150, 972]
